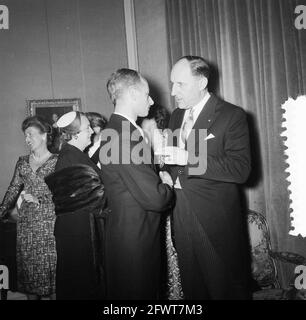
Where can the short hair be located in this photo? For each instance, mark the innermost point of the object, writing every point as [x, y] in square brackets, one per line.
[96, 120]
[121, 80]
[198, 66]
[39, 123]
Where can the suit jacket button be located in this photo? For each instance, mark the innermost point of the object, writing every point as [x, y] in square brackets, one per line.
[181, 171]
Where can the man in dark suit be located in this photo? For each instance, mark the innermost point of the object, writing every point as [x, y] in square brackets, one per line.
[208, 223]
[135, 193]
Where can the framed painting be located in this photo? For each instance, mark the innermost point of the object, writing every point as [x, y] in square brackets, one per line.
[52, 109]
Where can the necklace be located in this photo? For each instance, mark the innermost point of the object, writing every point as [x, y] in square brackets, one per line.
[41, 158]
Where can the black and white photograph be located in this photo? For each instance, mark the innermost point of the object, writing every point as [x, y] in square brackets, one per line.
[152, 151]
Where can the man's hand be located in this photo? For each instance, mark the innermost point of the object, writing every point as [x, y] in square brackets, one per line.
[173, 155]
[166, 178]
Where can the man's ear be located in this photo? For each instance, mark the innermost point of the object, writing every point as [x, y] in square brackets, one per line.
[203, 82]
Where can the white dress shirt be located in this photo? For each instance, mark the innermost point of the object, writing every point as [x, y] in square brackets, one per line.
[196, 112]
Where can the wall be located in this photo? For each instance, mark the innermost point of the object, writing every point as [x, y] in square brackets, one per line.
[55, 49]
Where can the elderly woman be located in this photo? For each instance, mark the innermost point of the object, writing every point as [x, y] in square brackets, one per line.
[78, 195]
[36, 254]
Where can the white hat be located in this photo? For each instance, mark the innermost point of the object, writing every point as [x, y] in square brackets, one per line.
[66, 119]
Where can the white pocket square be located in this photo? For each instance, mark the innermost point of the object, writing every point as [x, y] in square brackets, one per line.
[210, 136]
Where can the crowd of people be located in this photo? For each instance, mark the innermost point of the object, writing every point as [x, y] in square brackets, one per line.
[121, 210]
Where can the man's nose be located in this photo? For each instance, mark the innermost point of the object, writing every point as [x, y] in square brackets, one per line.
[151, 101]
[173, 91]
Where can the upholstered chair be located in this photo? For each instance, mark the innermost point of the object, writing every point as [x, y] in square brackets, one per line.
[264, 263]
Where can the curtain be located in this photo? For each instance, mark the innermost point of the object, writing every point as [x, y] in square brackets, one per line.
[259, 60]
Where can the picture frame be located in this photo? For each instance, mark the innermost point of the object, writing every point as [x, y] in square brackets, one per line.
[48, 108]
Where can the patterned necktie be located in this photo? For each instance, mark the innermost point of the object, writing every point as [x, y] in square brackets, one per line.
[187, 126]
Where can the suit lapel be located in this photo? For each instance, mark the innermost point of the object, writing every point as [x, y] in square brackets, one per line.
[208, 114]
[205, 119]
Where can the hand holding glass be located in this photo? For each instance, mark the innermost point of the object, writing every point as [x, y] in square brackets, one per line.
[173, 155]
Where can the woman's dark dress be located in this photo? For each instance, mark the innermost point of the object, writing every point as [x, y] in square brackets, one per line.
[78, 234]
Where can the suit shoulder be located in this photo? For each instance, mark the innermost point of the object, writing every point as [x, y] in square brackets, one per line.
[230, 109]
[116, 123]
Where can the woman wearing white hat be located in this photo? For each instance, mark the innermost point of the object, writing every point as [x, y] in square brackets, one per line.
[78, 195]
